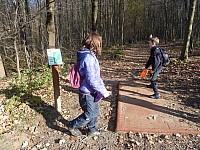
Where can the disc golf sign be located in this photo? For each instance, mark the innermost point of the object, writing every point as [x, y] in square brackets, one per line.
[54, 57]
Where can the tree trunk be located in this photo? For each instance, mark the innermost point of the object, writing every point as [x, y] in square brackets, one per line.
[186, 44]
[122, 22]
[50, 23]
[94, 15]
[166, 22]
[2, 72]
[15, 38]
[24, 33]
[51, 38]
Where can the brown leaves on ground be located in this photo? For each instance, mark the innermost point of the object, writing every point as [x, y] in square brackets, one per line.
[180, 79]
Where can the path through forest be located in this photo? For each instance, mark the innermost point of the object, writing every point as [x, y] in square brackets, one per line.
[44, 128]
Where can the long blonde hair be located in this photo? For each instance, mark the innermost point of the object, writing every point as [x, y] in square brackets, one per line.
[93, 42]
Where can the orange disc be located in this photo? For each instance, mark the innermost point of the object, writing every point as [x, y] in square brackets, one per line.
[143, 73]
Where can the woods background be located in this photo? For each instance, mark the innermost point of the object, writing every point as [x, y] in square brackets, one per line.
[24, 38]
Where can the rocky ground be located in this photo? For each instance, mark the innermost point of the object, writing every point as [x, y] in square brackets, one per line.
[43, 128]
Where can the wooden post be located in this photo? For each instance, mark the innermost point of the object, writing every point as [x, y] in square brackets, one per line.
[57, 98]
[51, 39]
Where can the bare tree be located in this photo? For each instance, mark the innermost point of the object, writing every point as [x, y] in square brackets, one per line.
[94, 14]
[186, 44]
[50, 23]
[24, 32]
[16, 5]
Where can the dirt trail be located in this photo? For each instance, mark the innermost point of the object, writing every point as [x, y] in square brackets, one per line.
[47, 130]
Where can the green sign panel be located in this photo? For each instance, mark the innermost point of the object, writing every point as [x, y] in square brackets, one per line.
[54, 57]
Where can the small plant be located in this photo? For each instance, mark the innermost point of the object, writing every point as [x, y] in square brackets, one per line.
[11, 103]
[21, 92]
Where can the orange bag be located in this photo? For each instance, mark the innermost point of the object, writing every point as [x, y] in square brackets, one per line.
[143, 73]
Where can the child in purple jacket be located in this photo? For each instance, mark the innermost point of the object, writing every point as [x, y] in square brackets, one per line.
[92, 88]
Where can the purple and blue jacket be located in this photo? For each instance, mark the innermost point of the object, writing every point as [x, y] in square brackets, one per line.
[90, 72]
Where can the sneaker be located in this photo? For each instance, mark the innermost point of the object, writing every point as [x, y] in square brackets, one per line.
[95, 133]
[155, 96]
[74, 132]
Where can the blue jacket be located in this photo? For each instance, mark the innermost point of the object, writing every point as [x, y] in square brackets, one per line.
[90, 72]
[154, 59]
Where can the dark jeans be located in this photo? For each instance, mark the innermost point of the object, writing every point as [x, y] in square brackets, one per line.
[89, 116]
[153, 80]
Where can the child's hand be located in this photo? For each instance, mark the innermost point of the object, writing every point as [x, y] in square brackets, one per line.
[108, 93]
[143, 68]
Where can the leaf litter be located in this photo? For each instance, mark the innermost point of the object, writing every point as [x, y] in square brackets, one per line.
[44, 129]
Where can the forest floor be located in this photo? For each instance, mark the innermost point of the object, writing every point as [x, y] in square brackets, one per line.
[43, 128]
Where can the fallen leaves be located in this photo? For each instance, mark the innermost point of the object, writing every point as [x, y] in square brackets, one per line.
[180, 78]
[5, 121]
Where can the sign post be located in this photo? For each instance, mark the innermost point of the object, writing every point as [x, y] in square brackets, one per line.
[55, 59]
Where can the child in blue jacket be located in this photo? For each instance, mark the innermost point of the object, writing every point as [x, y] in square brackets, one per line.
[156, 63]
[91, 85]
